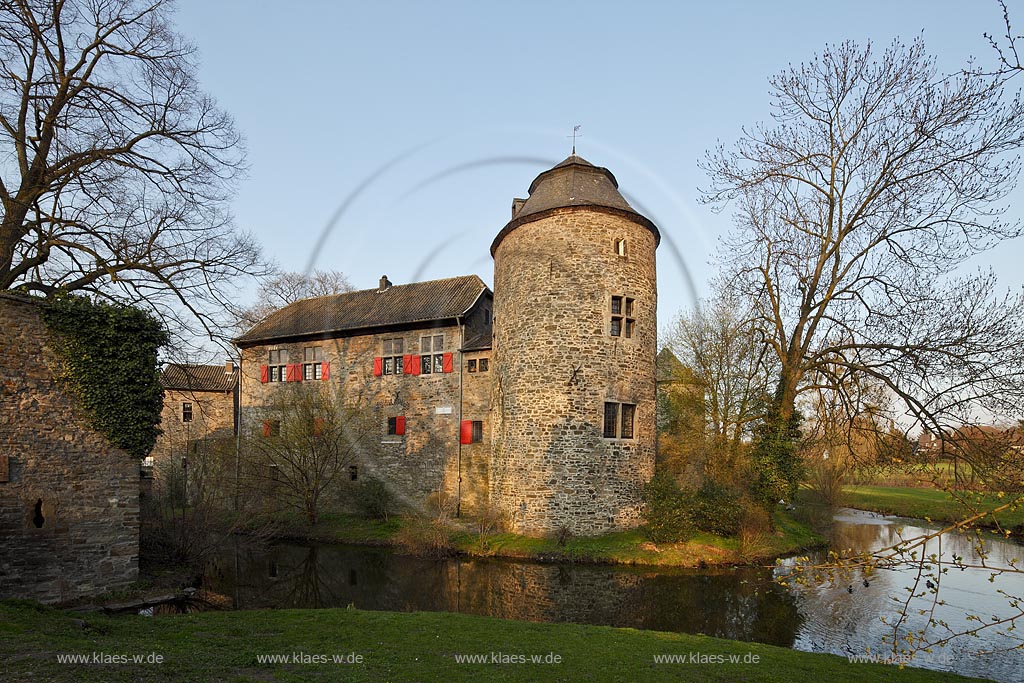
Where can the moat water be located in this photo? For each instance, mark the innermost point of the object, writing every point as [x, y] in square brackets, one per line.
[744, 603]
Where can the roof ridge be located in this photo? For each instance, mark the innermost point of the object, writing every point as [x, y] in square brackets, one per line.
[407, 303]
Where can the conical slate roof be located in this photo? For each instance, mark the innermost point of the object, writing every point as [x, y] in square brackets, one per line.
[574, 182]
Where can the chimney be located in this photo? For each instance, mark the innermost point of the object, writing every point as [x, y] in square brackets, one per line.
[385, 283]
[229, 367]
[517, 206]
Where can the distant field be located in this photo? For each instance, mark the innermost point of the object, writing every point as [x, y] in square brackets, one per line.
[932, 475]
[389, 646]
[929, 503]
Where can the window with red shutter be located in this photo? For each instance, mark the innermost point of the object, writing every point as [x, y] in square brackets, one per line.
[378, 366]
[325, 371]
[396, 425]
[264, 373]
[293, 372]
[466, 431]
[318, 426]
[414, 365]
[266, 428]
[447, 363]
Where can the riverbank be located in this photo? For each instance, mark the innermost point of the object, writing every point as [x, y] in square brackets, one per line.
[932, 504]
[380, 646]
[626, 547]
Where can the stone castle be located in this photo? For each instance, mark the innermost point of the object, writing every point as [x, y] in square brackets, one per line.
[536, 401]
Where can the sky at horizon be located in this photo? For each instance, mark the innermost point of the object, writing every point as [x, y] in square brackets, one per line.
[391, 138]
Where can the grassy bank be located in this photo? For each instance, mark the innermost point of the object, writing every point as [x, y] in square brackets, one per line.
[928, 503]
[627, 547]
[225, 646]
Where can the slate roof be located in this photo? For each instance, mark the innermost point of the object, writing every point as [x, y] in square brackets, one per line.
[419, 302]
[197, 377]
[477, 342]
[573, 182]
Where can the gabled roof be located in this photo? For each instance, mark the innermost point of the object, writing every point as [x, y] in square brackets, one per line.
[419, 302]
[197, 378]
[481, 341]
[575, 182]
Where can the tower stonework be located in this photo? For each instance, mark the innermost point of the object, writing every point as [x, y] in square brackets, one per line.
[575, 333]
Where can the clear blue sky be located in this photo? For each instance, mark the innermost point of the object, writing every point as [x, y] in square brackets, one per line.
[430, 117]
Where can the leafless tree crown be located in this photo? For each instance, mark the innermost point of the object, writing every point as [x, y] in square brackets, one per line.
[856, 211]
[116, 168]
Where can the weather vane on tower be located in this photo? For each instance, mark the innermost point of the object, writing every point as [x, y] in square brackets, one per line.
[575, 134]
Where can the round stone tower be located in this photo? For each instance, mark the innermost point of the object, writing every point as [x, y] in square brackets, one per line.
[575, 334]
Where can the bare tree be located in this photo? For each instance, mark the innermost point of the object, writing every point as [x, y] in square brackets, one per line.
[1006, 45]
[116, 168]
[305, 445]
[728, 360]
[281, 288]
[856, 213]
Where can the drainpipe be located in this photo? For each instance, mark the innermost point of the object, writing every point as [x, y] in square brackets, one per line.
[238, 426]
[462, 342]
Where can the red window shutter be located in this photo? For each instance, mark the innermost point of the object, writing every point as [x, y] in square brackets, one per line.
[446, 362]
[400, 425]
[325, 371]
[466, 431]
[378, 366]
[407, 364]
[413, 366]
[293, 372]
[264, 373]
[266, 428]
[318, 426]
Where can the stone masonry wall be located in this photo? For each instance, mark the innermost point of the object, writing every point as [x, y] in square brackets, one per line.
[69, 513]
[213, 417]
[428, 456]
[556, 364]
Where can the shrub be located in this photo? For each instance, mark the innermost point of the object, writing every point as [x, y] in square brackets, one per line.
[426, 537]
[374, 499]
[717, 509]
[668, 512]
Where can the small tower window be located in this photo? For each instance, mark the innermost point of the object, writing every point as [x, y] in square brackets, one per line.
[620, 247]
[618, 420]
[622, 321]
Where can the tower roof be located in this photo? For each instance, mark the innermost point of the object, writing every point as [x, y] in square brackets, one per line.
[575, 182]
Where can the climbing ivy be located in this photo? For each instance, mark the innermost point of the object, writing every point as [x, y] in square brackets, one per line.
[109, 363]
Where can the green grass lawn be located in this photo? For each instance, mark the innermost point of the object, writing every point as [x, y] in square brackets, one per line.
[924, 503]
[633, 547]
[224, 646]
[626, 547]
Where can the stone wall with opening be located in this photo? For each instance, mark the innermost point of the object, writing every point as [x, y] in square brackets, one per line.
[69, 501]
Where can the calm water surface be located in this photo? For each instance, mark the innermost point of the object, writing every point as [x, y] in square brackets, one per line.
[741, 604]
